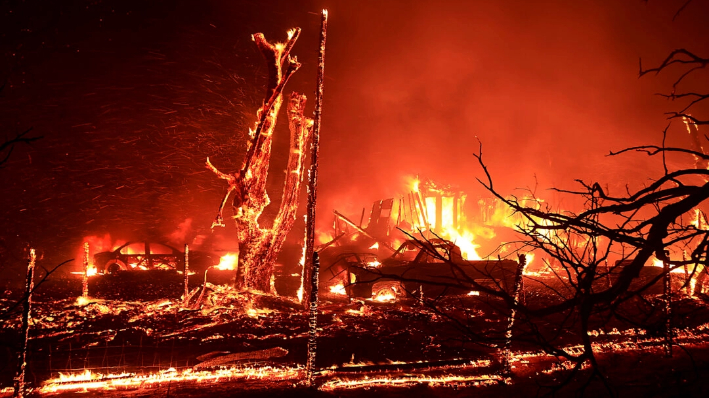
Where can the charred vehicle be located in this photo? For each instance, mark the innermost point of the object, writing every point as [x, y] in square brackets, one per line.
[345, 266]
[433, 268]
[150, 255]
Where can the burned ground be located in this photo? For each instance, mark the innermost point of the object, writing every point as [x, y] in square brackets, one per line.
[361, 344]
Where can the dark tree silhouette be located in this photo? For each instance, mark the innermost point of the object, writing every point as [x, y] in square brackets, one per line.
[599, 258]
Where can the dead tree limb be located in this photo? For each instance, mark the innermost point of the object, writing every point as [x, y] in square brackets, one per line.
[8, 146]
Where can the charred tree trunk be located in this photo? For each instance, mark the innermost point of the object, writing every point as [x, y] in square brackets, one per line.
[26, 316]
[259, 247]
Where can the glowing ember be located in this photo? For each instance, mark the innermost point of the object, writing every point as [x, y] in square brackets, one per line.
[81, 301]
[88, 380]
[228, 261]
[412, 380]
[473, 293]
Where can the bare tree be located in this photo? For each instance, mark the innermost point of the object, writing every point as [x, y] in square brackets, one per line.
[258, 246]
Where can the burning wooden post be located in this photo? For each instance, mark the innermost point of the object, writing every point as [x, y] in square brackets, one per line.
[187, 273]
[85, 281]
[516, 290]
[313, 174]
[667, 277]
[313, 321]
[26, 315]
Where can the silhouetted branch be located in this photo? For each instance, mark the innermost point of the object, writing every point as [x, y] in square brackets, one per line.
[8, 146]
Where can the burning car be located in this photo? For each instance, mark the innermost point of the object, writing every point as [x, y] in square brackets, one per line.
[150, 255]
[423, 267]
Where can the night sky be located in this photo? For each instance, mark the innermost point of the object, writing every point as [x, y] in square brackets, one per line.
[131, 97]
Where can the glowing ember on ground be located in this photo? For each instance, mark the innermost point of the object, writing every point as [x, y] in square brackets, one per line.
[83, 300]
[385, 296]
[88, 380]
[406, 381]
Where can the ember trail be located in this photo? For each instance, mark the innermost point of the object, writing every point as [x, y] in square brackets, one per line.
[269, 275]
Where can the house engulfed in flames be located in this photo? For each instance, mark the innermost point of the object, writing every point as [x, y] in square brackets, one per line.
[427, 209]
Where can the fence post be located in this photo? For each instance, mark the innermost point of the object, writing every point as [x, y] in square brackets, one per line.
[20, 387]
[313, 321]
[517, 288]
[85, 282]
[187, 274]
[668, 306]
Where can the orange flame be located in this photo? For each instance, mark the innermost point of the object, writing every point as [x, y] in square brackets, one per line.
[228, 261]
[338, 289]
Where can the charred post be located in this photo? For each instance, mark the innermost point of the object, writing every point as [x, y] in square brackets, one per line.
[20, 388]
[313, 321]
[667, 279]
[313, 174]
[187, 273]
[85, 280]
[516, 290]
